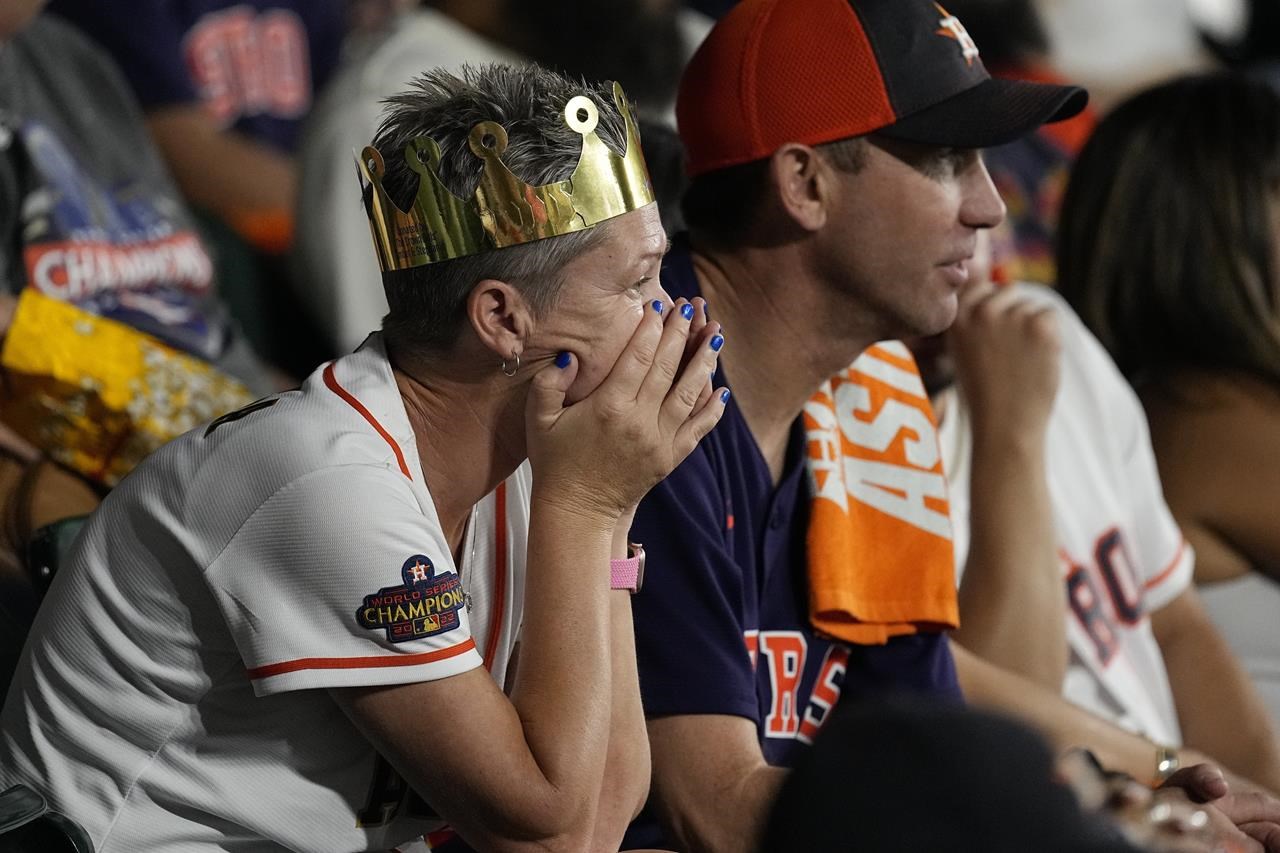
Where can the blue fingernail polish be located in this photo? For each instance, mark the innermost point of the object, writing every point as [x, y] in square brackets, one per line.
[717, 342]
[563, 359]
[724, 396]
[686, 311]
[657, 305]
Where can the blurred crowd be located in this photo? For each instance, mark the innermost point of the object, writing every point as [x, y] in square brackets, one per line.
[182, 232]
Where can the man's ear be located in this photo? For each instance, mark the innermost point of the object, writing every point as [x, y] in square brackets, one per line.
[501, 317]
[803, 182]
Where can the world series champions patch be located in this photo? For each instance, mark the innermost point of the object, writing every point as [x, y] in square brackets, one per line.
[424, 605]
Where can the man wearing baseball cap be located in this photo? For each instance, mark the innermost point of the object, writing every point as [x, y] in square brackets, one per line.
[837, 192]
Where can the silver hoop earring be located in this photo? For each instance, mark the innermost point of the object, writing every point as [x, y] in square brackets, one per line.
[511, 371]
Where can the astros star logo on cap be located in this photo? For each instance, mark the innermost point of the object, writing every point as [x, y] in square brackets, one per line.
[952, 28]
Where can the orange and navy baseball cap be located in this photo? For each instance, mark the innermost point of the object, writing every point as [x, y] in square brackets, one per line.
[813, 71]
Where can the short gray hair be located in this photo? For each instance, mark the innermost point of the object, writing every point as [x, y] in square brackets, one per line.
[428, 303]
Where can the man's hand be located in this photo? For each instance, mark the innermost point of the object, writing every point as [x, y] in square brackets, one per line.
[1248, 819]
[1006, 348]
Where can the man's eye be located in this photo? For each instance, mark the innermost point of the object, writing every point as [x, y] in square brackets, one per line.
[947, 162]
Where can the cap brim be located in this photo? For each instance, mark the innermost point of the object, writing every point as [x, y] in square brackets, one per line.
[994, 112]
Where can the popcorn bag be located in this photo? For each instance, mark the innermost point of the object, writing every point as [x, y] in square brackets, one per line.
[98, 396]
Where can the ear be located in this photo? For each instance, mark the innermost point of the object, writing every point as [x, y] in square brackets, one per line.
[500, 316]
[803, 182]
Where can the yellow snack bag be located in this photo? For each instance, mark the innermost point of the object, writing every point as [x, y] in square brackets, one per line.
[97, 395]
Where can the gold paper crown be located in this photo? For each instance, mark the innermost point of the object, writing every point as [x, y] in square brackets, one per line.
[504, 211]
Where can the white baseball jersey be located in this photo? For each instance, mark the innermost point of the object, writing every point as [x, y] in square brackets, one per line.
[1121, 553]
[172, 695]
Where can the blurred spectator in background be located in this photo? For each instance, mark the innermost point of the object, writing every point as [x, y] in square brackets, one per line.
[89, 217]
[1031, 172]
[640, 43]
[1072, 570]
[225, 86]
[1170, 252]
[88, 212]
[1116, 47]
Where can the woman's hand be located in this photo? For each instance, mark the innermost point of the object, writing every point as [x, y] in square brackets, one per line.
[601, 455]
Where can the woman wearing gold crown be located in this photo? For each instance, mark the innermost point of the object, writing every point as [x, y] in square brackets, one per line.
[299, 624]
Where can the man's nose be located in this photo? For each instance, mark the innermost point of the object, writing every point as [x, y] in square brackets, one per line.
[982, 206]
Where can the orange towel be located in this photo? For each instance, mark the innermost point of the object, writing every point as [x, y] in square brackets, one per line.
[880, 552]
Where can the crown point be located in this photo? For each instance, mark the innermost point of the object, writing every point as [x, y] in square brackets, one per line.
[581, 114]
[488, 139]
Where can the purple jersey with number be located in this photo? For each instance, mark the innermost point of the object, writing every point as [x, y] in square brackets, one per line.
[254, 65]
[722, 621]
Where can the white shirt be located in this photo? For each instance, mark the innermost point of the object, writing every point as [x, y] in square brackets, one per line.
[1245, 610]
[172, 695]
[1121, 553]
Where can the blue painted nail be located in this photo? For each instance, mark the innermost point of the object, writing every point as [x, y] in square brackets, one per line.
[657, 305]
[686, 311]
[563, 359]
[724, 396]
[717, 342]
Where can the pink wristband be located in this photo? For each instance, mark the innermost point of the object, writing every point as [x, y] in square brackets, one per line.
[628, 574]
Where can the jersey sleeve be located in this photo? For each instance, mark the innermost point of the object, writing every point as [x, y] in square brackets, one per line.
[689, 616]
[340, 580]
[1164, 560]
[144, 37]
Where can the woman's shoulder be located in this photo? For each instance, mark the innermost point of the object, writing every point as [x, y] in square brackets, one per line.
[1213, 434]
[1214, 439]
[1211, 400]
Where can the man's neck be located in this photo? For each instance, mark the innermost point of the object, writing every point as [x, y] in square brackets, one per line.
[780, 341]
[469, 434]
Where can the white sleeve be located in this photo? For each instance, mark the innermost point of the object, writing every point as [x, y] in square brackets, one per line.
[1164, 559]
[340, 580]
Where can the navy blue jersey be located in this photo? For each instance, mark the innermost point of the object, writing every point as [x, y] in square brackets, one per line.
[254, 65]
[722, 622]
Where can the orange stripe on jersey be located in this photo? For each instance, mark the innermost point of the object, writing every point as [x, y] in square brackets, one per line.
[361, 662]
[499, 576]
[1168, 570]
[351, 401]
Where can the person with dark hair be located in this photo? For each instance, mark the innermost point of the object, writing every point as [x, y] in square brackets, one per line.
[1168, 250]
[992, 786]
[837, 190]
[1073, 570]
[837, 194]
[297, 626]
